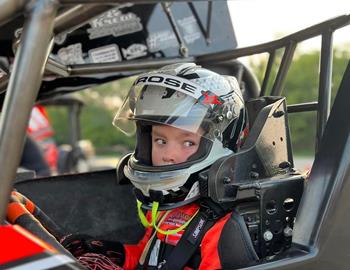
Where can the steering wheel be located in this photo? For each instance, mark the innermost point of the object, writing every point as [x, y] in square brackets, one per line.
[22, 211]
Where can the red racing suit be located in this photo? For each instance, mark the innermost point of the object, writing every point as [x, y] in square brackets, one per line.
[137, 255]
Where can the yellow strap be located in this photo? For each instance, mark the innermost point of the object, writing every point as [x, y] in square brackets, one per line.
[175, 230]
[154, 217]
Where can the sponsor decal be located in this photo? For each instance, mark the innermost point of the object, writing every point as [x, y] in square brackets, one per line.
[72, 54]
[176, 219]
[210, 98]
[196, 233]
[134, 51]
[198, 229]
[190, 29]
[161, 40]
[176, 83]
[114, 23]
[109, 53]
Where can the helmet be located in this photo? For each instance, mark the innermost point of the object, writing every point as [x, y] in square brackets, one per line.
[180, 98]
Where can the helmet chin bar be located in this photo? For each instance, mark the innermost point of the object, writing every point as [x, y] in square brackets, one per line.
[260, 181]
[157, 196]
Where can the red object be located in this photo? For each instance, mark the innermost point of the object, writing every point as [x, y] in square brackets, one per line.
[17, 243]
[210, 258]
[211, 99]
[40, 129]
[39, 125]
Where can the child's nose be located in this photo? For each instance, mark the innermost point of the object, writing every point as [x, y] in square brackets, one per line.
[169, 155]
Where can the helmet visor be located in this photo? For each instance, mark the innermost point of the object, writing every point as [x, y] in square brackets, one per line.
[162, 99]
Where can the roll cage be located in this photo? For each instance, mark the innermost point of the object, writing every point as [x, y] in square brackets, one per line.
[320, 236]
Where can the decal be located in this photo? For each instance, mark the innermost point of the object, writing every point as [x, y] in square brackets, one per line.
[72, 54]
[161, 40]
[190, 29]
[194, 236]
[134, 51]
[178, 84]
[109, 53]
[114, 23]
[210, 98]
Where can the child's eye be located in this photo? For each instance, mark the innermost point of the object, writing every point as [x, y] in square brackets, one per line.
[159, 141]
[189, 143]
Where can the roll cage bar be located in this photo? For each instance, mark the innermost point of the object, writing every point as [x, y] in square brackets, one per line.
[32, 62]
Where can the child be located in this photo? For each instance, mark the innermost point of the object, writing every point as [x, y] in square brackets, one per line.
[185, 117]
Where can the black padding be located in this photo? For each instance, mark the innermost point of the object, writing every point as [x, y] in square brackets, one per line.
[34, 226]
[235, 246]
[88, 203]
[143, 144]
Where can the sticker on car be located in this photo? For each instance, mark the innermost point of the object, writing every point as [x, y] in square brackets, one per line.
[114, 23]
[162, 40]
[190, 29]
[109, 53]
[136, 50]
[71, 54]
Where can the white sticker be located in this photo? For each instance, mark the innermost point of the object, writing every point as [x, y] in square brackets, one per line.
[109, 53]
[114, 23]
[134, 51]
[72, 54]
[190, 29]
[161, 40]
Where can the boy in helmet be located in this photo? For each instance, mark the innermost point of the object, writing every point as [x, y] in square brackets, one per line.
[185, 117]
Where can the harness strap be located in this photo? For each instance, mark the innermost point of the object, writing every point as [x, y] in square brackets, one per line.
[189, 242]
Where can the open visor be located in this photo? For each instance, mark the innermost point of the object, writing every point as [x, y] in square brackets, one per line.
[162, 99]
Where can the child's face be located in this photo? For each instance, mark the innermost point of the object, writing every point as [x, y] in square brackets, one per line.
[171, 145]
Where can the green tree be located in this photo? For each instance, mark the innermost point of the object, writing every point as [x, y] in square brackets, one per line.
[301, 85]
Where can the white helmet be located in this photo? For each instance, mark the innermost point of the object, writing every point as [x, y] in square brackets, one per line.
[186, 97]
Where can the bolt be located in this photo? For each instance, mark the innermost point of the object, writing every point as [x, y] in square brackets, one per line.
[268, 235]
[227, 180]
[184, 51]
[288, 231]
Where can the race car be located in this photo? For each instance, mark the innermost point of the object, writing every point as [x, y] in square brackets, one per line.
[295, 220]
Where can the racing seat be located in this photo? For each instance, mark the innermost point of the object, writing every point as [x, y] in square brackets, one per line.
[261, 183]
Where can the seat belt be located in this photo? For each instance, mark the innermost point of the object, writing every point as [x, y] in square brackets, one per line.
[189, 243]
[193, 235]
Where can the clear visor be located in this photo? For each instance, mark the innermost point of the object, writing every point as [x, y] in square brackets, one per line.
[179, 103]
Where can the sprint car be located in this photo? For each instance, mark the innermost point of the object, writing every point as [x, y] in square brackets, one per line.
[49, 48]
